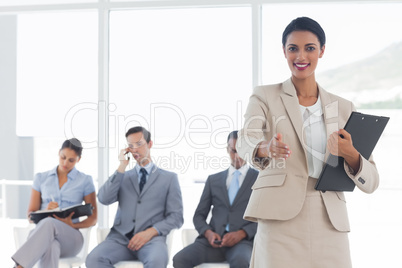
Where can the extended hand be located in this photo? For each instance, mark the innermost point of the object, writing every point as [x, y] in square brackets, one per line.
[141, 238]
[232, 238]
[275, 148]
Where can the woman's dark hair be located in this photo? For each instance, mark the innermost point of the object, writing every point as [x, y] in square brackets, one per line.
[304, 24]
[73, 144]
[146, 133]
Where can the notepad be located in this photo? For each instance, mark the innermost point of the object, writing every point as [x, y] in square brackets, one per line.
[365, 130]
[79, 211]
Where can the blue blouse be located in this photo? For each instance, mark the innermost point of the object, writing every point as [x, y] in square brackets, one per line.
[72, 193]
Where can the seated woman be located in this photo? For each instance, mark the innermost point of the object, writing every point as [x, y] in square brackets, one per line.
[63, 186]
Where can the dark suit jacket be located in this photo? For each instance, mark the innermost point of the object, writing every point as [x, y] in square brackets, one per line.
[159, 204]
[215, 194]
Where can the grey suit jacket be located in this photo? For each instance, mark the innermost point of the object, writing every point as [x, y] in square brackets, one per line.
[215, 194]
[159, 205]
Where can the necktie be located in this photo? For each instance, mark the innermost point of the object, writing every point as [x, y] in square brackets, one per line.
[234, 186]
[143, 179]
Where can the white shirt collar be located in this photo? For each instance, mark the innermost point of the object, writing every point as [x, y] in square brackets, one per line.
[243, 170]
[315, 109]
[148, 168]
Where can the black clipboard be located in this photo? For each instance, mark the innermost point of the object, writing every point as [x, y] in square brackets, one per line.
[365, 130]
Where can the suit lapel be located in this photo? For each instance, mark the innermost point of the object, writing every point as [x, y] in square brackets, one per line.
[331, 114]
[134, 181]
[151, 179]
[291, 103]
[244, 186]
[223, 187]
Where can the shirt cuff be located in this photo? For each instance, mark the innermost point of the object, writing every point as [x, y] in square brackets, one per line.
[350, 171]
[159, 233]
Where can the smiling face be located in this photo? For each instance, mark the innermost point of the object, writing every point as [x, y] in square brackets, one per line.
[302, 51]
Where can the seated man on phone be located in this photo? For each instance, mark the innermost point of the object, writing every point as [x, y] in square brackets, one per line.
[149, 207]
[227, 237]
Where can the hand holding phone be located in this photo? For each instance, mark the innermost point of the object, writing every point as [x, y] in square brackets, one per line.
[126, 155]
[124, 160]
[217, 242]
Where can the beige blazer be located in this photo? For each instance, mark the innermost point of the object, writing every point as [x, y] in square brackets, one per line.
[280, 189]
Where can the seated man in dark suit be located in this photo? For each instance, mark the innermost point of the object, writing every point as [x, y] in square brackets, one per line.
[227, 237]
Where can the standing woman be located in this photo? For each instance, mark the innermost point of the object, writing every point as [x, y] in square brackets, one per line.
[290, 128]
[62, 187]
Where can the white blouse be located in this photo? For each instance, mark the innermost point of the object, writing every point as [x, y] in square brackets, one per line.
[314, 137]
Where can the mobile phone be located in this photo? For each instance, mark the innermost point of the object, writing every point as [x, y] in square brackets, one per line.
[126, 154]
[217, 242]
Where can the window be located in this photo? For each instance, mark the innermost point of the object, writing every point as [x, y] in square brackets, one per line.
[41, 2]
[185, 74]
[57, 84]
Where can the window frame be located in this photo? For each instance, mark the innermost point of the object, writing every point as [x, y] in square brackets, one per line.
[104, 7]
